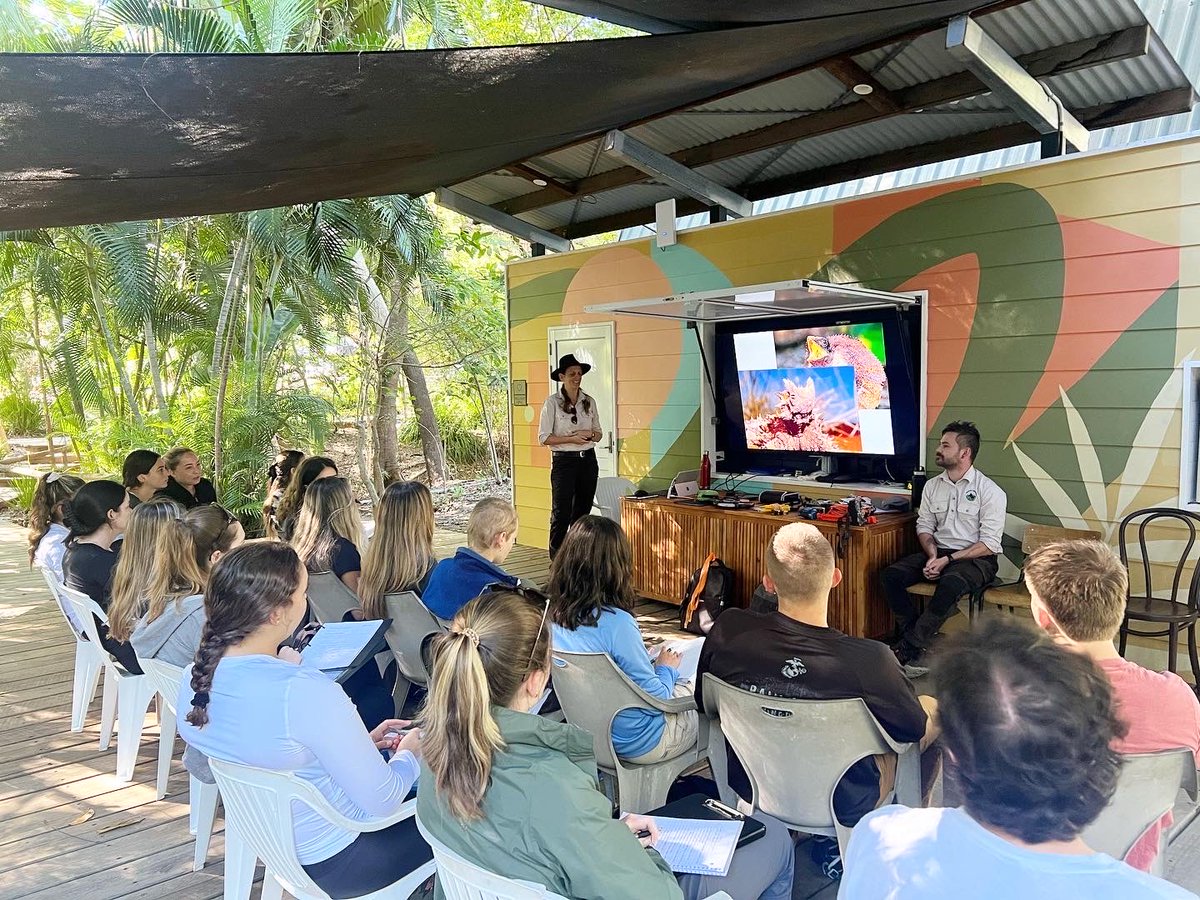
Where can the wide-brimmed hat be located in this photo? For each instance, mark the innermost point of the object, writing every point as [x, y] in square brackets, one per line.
[565, 363]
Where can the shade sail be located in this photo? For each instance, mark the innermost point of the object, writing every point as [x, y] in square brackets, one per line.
[113, 137]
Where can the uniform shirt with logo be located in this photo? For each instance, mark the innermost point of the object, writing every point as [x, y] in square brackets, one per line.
[964, 512]
[777, 656]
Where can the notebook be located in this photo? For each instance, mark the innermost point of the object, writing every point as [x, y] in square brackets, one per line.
[693, 807]
[688, 649]
[341, 648]
[697, 846]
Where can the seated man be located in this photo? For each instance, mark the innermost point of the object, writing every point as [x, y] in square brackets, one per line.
[491, 534]
[1027, 729]
[794, 653]
[1077, 593]
[960, 526]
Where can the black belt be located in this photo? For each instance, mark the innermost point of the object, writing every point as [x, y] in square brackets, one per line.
[573, 453]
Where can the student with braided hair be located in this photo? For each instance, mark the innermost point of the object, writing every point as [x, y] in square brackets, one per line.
[516, 793]
[255, 705]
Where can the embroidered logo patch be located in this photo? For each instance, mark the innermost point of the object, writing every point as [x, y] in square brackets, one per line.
[972, 496]
[794, 667]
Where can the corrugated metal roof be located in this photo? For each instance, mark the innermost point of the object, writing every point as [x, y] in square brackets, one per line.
[781, 161]
[1176, 22]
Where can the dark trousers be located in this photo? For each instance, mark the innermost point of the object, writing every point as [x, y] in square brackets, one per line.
[964, 576]
[573, 477]
[375, 860]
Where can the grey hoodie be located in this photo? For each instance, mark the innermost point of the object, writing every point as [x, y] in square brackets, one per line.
[174, 637]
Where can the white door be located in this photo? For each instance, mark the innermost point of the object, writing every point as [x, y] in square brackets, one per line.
[593, 344]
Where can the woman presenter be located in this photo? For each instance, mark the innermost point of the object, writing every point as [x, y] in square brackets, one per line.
[570, 427]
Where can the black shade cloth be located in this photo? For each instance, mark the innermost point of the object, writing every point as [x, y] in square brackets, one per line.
[111, 137]
[664, 16]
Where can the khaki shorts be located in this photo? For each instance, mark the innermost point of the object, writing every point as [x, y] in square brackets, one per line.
[680, 732]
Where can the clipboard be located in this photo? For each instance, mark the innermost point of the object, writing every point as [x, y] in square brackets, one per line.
[367, 642]
[692, 807]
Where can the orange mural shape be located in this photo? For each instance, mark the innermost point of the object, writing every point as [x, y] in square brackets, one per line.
[654, 368]
[1103, 295]
[953, 288]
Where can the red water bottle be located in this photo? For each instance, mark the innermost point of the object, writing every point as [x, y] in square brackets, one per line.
[705, 472]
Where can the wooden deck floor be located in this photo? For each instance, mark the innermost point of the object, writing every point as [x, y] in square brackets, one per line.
[68, 828]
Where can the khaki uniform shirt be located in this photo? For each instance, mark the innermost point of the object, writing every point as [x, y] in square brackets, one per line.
[959, 514]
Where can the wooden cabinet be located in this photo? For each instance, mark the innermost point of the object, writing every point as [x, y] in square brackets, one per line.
[670, 540]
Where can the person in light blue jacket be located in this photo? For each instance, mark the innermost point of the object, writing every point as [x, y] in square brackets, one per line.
[591, 605]
[248, 702]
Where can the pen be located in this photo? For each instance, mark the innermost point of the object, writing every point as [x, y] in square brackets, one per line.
[642, 834]
[721, 809]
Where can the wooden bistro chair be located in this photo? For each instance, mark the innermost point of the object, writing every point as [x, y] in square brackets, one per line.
[1180, 609]
[796, 751]
[1015, 593]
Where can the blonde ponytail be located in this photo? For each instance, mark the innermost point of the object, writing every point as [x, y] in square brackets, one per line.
[494, 643]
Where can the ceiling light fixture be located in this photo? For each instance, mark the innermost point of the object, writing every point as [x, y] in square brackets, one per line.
[540, 182]
[588, 198]
[863, 89]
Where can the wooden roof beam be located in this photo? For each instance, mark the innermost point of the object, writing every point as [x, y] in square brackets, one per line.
[858, 79]
[1129, 43]
[1106, 115]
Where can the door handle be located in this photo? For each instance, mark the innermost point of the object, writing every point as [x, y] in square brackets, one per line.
[609, 448]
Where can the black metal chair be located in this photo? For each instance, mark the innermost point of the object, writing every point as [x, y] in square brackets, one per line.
[1174, 613]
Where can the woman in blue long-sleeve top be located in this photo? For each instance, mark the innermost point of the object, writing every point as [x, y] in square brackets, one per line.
[591, 606]
[253, 705]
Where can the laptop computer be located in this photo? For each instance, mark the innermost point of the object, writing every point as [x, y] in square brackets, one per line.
[685, 485]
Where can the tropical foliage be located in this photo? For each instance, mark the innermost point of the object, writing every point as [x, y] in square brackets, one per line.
[235, 334]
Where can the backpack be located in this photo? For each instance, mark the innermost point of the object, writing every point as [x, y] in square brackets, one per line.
[709, 593]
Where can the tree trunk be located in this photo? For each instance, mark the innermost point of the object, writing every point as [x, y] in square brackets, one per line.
[487, 426]
[387, 441]
[160, 394]
[418, 391]
[46, 384]
[221, 354]
[118, 359]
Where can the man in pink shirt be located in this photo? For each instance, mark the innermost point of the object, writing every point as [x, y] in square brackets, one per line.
[1078, 591]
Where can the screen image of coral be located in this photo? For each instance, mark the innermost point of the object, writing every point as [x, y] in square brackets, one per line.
[801, 409]
[815, 389]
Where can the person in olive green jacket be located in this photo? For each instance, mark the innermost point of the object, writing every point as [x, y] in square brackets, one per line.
[517, 795]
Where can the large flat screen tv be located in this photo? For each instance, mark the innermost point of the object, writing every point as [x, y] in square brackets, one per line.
[794, 391]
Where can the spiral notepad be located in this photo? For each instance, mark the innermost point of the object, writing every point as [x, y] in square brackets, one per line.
[697, 846]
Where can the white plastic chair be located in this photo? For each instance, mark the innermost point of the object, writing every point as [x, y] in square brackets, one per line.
[90, 658]
[258, 810]
[412, 624]
[126, 706]
[462, 880]
[592, 691]
[796, 751]
[609, 492]
[330, 598]
[1146, 790]
[202, 798]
